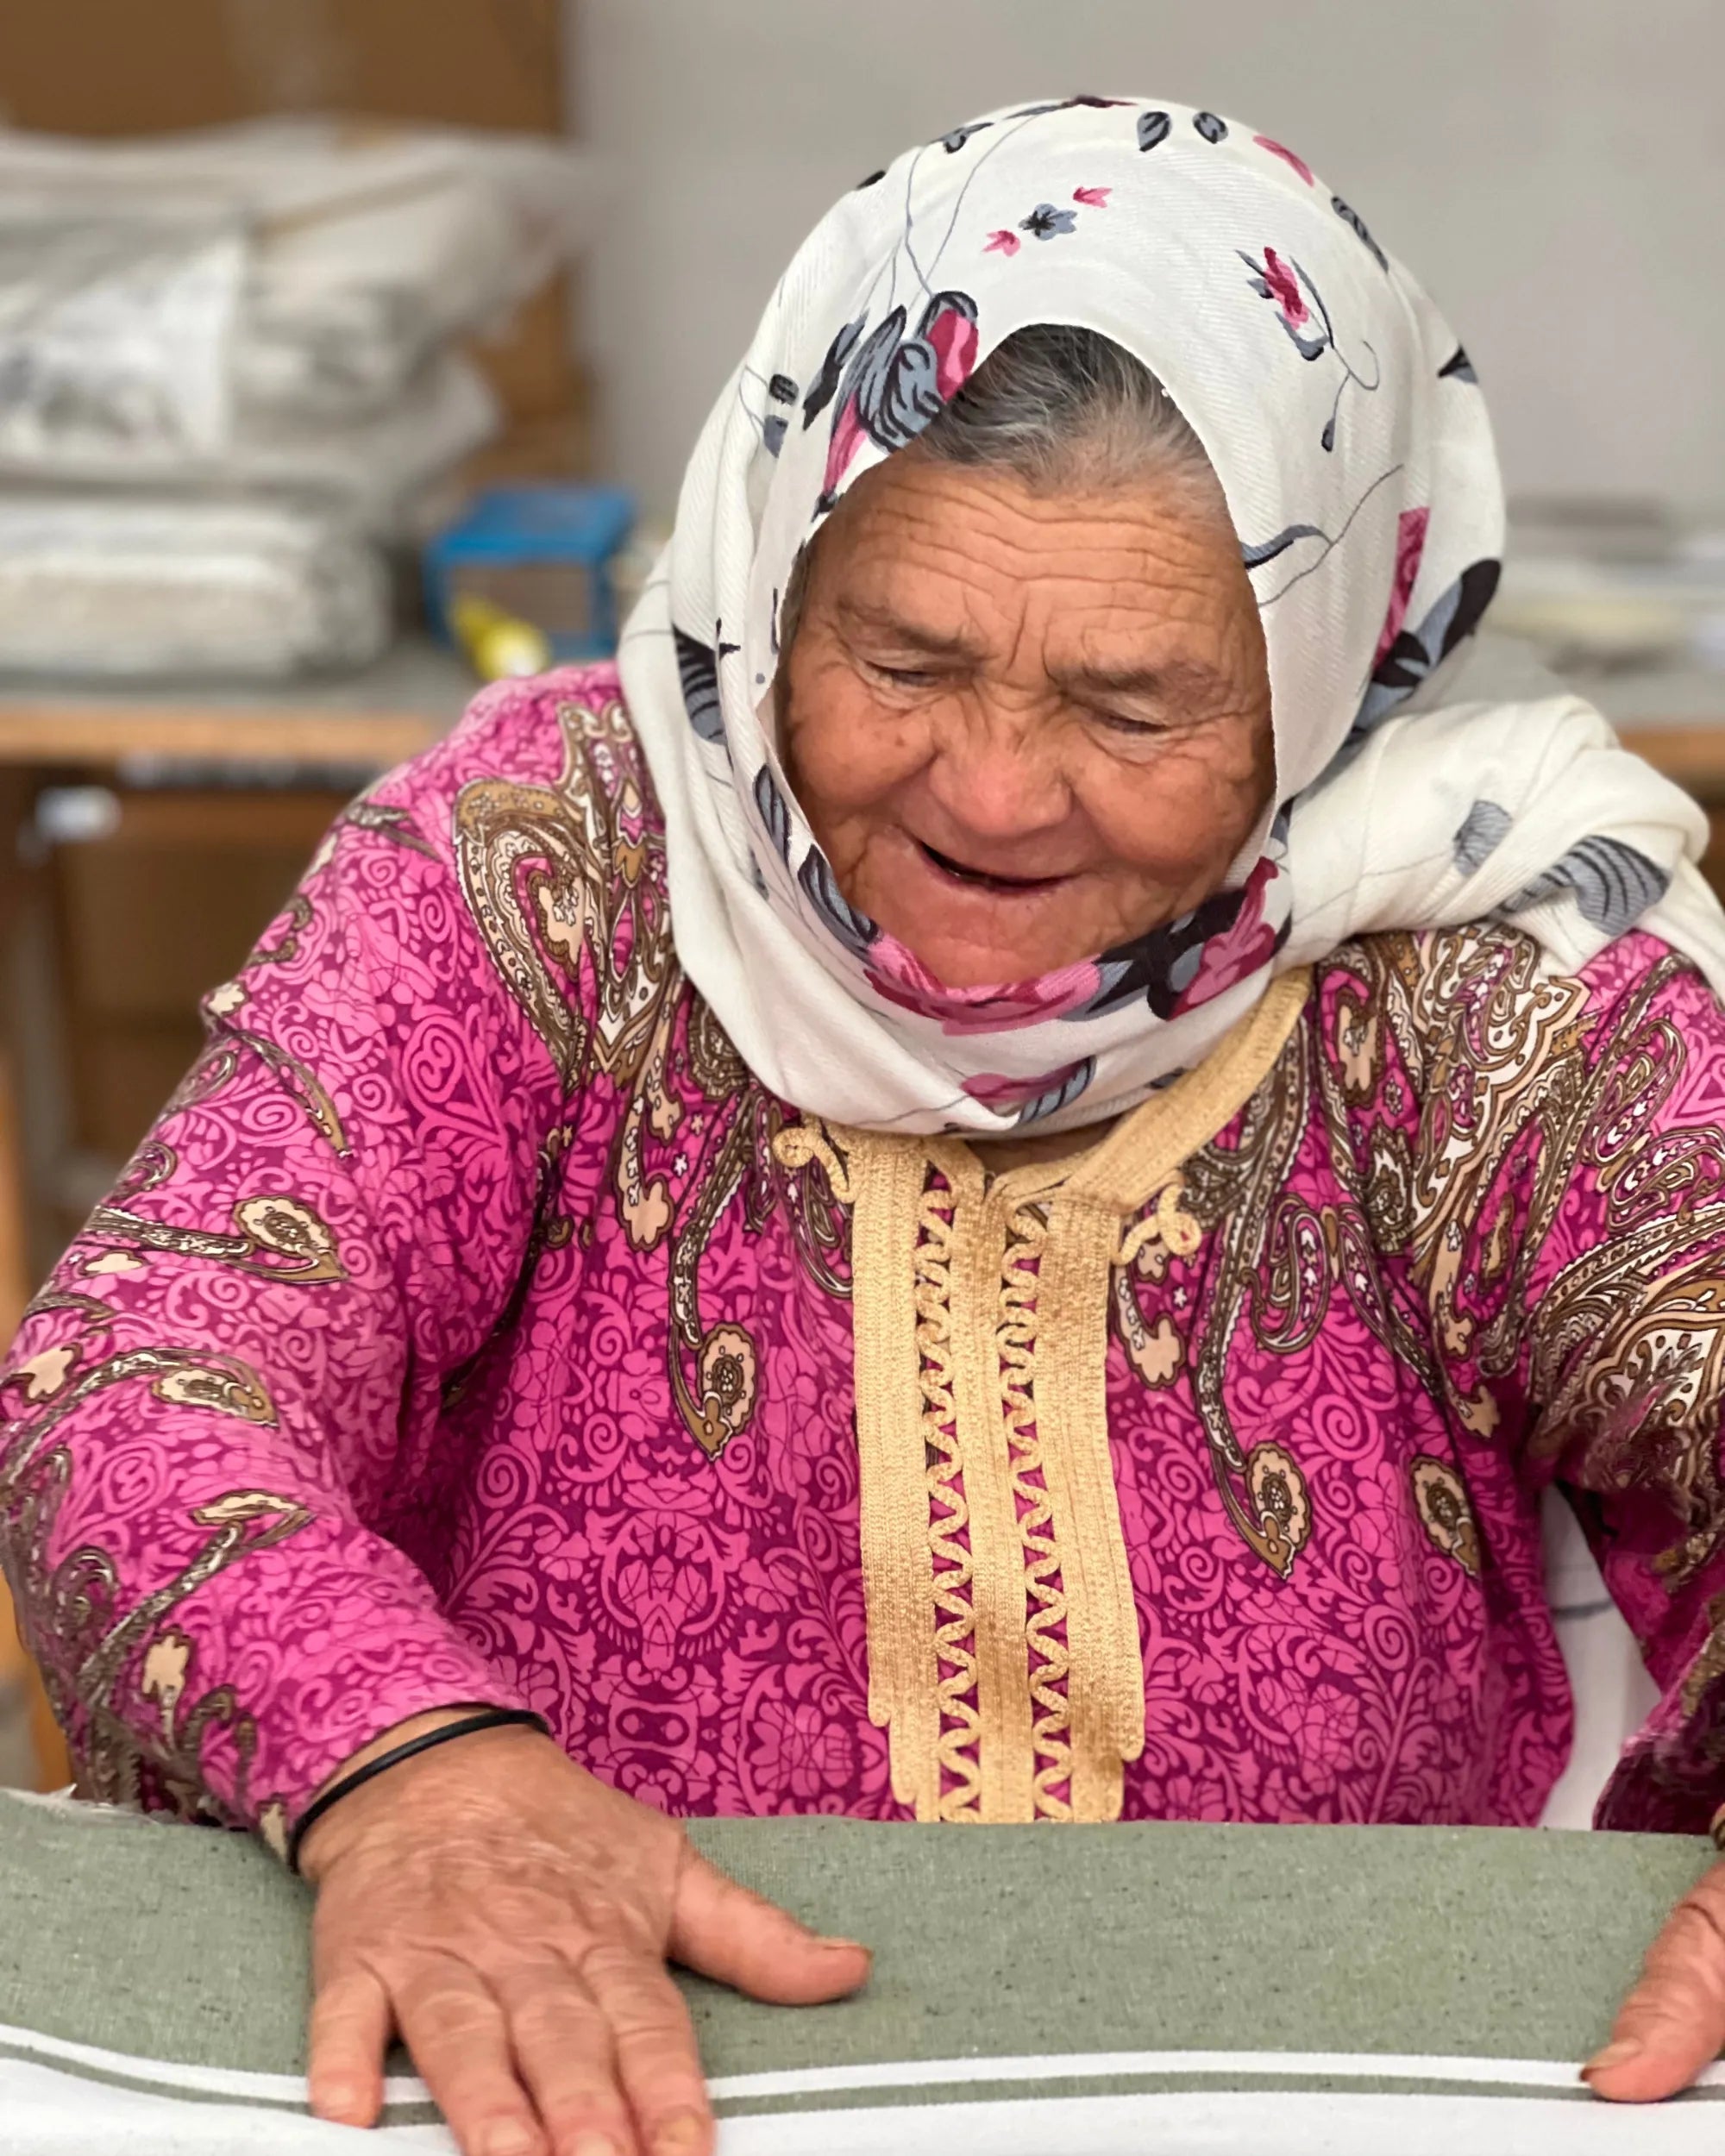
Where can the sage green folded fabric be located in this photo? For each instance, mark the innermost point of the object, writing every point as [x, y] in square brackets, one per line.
[1096, 1988]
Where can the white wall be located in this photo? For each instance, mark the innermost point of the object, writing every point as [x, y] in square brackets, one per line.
[1554, 170]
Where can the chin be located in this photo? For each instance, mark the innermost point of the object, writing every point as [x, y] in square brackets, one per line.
[966, 963]
[972, 970]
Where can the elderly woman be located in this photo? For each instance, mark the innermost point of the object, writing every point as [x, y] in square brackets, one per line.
[986, 1187]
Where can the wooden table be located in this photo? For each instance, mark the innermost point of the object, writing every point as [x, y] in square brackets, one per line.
[363, 722]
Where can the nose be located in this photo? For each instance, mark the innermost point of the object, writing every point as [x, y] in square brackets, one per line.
[995, 776]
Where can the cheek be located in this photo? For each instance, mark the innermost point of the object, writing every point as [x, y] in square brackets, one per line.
[1175, 817]
[846, 750]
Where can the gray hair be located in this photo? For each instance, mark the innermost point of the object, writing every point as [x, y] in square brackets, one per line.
[1058, 407]
[1061, 406]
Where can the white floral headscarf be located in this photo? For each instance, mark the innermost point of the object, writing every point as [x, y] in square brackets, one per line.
[1348, 431]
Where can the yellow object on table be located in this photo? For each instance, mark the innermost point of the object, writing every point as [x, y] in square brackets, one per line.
[500, 645]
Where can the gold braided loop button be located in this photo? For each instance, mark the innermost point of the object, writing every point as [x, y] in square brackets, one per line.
[1167, 1222]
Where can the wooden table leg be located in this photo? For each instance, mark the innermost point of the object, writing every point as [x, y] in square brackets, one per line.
[15, 1284]
[53, 1761]
[52, 1764]
[17, 800]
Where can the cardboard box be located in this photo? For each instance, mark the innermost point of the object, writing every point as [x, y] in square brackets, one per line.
[146, 918]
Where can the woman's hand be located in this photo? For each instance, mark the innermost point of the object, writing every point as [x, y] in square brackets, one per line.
[1672, 2024]
[510, 1917]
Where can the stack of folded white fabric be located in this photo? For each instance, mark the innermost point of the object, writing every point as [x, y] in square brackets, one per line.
[264, 318]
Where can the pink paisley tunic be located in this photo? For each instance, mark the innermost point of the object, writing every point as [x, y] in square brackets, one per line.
[462, 1333]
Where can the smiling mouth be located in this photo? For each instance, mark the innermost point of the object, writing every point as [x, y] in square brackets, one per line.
[983, 879]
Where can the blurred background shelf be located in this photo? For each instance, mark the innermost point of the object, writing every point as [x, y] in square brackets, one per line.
[361, 721]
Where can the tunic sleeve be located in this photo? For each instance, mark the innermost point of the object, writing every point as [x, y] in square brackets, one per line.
[223, 1409]
[1617, 1189]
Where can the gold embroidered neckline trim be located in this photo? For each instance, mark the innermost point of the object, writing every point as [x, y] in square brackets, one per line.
[1003, 1647]
[1146, 1146]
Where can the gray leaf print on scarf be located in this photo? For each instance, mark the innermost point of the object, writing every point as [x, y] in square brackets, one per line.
[775, 816]
[854, 930]
[1455, 615]
[1059, 1095]
[1483, 829]
[698, 671]
[782, 391]
[1614, 884]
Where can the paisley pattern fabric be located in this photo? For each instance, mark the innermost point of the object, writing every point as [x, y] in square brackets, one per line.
[1352, 441]
[474, 1326]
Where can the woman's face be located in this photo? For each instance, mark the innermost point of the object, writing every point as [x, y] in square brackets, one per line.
[1025, 727]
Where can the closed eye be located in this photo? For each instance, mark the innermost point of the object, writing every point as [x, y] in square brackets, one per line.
[902, 677]
[1118, 723]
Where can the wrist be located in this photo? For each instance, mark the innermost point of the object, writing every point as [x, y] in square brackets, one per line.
[380, 1776]
[396, 1733]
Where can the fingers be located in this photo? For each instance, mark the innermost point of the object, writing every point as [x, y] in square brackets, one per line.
[604, 2059]
[658, 2061]
[349, 2036]
[454, 2025]
[1672, 2024]
[531, 2063]
[563, 2050]
[727, 1932]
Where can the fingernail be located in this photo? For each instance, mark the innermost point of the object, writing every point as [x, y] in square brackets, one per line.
[593, 2145]
[842, 1945]
[679, 2134]
[337, 2098]
[1614, 2055]
[509, 2137]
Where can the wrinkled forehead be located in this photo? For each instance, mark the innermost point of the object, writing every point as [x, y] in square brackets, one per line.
[1061, 582]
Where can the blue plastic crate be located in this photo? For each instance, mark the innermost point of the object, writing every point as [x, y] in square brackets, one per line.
[538, 531]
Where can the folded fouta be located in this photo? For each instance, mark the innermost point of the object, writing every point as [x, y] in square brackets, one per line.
[1037, 1991]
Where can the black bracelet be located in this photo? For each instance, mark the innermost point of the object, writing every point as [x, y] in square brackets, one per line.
[487, 1718]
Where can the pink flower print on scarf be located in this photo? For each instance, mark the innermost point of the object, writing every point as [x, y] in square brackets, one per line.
[1282, 150]
[1275, 279]
[894, 385]
[1045, 222]
[1300, 307]
[900, 977]
[1235, 952]
[995, 1089]
[1410, 546]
